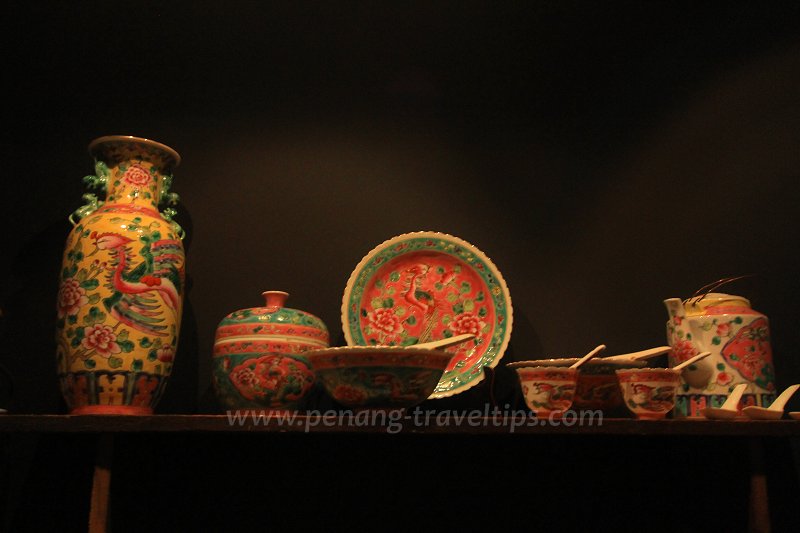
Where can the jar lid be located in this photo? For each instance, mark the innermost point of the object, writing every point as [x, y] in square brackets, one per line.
[274, 312]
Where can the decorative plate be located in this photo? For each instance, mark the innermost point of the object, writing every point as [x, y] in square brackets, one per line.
[426, 286]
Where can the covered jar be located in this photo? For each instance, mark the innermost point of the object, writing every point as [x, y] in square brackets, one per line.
[258, 358]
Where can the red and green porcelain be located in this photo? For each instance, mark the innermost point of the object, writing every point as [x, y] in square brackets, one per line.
[649, 393]
[548, 391]
[121, 283]
[597, 386]
[426, 286]
[739, 341]
[259, 355]
[366, 376]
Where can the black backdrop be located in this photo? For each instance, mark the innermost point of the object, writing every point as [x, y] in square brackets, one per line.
[605, 156]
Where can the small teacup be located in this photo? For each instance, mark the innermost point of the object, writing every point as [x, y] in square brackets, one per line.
[649, 393]
[548, 391]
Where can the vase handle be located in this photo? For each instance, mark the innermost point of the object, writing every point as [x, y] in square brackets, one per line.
[98, 180]
[92, 204]
[168, 215]
[170, 198]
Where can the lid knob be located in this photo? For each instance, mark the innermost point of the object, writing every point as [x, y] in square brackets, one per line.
[275, 299]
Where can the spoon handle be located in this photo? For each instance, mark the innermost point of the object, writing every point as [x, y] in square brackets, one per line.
[444, 343]
[780, 401]
[579, 363]
[638, 356]
[732, 402]
[692, 360]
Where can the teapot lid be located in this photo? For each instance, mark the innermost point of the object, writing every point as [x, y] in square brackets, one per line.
[698, 306]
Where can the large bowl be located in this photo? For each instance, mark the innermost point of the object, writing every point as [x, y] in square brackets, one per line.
[379, 376]
[597, 386]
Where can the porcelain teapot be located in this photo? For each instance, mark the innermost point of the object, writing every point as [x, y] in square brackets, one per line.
[739, 341]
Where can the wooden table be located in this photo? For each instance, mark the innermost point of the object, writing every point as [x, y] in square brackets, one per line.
[394, 422]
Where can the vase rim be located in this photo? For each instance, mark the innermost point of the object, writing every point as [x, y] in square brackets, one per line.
[170, 152]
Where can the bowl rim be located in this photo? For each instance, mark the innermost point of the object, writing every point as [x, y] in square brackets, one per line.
[551, 369]
[627, 375]
[370, 356]
[563, 362]
[649, 369]
[380, 349]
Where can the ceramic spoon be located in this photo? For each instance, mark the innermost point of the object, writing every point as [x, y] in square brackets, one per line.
[693, 360]
[577, 364]
[444, 343]
[774, 411]
[729, 409]
[638, 356]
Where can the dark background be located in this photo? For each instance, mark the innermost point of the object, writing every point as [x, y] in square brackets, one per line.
[605, 156]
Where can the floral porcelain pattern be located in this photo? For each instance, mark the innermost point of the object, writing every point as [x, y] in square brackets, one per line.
[112, 305]
[739, 341]
[379, 377]
[120, 293]
[426, 286]
[272, 380]
[649, 393]
[259, 355]
[597, 386]
[651, 398]
[547, 391]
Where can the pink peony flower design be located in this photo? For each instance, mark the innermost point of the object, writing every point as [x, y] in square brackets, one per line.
[467, 323]
[724, 330]
[385, 320]
[166, 354]
[71, 297]
[245, 381]
[136, 175]
[100, 338]
[724, 378]
[677, 320]
[683, 350]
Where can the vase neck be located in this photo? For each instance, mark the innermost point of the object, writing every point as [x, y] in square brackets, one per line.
[135, 182]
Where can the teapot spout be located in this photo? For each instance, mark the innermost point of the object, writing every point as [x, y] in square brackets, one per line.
[675, 307]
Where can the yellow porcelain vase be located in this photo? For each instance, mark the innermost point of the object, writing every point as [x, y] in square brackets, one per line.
[121, 283]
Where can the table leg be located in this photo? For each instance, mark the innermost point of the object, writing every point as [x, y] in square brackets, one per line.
[758, 512]
[101, 485]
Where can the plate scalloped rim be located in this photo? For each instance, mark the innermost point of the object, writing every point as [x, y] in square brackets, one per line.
[478, 253]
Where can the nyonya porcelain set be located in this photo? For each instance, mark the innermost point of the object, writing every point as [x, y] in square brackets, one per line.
[423, 315]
